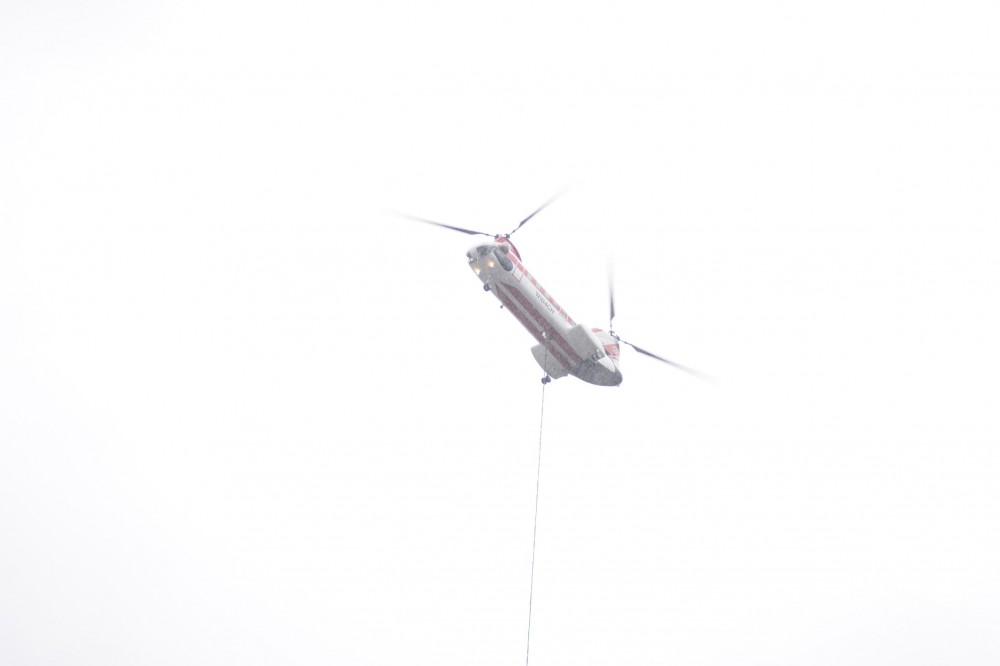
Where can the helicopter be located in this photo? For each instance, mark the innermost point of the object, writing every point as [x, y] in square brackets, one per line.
[564, 346]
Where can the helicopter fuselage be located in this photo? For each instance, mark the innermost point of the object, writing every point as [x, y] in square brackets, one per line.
[564, 347]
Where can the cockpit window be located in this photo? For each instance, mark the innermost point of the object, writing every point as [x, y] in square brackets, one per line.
[504, 261]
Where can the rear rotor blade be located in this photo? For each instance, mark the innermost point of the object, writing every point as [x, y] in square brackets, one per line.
[446, 226]
[690, 371]
[538, 210]
[611, 298]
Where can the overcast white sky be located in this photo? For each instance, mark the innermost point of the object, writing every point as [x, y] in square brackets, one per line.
[247, 416]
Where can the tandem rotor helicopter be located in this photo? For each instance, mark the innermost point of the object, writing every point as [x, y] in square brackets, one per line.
[564, 346]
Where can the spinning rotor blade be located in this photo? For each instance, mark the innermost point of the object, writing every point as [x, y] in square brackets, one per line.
[446, 226]
[611, 298]
[695, 373]
[538, 210]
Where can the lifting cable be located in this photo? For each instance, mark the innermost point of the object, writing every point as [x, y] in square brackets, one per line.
[534, 532]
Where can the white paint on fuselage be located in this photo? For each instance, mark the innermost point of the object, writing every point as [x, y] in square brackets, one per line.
[574, 347]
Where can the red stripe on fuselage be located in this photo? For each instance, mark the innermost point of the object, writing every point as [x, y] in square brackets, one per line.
[541, 290]
[516, 309]
[543, 324]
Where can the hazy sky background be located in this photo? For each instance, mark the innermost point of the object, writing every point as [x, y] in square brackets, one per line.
[247, 416]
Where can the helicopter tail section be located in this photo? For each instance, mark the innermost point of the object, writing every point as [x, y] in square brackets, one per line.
[595, 361]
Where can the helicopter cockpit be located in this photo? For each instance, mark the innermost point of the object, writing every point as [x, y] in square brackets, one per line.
[488, 255]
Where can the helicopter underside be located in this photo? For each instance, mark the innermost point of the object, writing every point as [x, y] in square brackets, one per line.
[564, 347]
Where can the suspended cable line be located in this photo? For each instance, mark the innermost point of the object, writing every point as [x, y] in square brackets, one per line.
[534, 532]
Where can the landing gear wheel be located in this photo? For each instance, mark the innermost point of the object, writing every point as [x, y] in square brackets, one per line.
[486, 286]
[546, 379]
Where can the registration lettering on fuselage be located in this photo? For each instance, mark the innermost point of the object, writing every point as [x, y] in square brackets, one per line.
[544, 301]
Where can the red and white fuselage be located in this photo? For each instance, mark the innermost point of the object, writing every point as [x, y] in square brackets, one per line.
[564, 347]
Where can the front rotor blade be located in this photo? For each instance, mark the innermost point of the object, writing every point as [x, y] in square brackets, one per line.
[446, 226]
[690, 371]
[538, 210]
